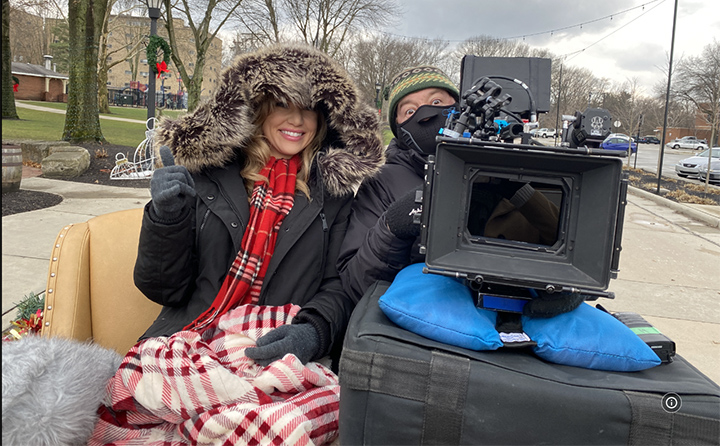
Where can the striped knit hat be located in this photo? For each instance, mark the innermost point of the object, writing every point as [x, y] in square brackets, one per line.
[414, 79]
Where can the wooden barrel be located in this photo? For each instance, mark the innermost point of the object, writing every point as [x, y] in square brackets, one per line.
[11, 168]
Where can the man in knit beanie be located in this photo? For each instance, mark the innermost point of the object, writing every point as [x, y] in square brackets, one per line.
[382, 237]
[413, 88]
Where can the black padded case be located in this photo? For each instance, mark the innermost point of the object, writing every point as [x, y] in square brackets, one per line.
[399, 388]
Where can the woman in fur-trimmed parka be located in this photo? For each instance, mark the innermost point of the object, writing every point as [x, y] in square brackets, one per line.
[185, 254]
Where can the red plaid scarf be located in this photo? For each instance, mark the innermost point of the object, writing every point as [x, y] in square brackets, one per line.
[271, 201]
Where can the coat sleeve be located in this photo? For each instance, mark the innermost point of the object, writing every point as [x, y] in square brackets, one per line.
[164, 267]
[370, 252]
[543, 215]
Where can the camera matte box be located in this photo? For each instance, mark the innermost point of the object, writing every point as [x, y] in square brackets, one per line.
[591, 210]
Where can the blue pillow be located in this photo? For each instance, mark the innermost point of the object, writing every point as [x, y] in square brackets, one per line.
[439, 308]
[590, 338]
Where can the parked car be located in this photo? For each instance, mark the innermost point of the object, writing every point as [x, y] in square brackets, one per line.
[545, 133]
[649, 139]
[713, 171]
[618, 141]
[688, 142]
[688, 167]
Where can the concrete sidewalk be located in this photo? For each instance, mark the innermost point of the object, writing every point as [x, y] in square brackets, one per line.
[669, 265]
[21, 104]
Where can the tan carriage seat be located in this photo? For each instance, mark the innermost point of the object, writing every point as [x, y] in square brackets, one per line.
[90, 292]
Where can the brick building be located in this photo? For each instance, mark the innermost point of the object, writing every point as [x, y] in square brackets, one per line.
[32, 37]
[39, 83]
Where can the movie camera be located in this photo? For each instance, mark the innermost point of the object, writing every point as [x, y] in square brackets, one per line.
[575, 214]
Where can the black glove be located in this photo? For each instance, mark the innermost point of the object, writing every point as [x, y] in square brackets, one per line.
[399, 216]
[551, 304]
[171, 187]
[302, 340]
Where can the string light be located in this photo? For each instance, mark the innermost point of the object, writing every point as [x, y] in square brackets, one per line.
[551, 32]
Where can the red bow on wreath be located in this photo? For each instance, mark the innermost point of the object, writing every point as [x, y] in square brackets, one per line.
[15, 87]
[161, 68]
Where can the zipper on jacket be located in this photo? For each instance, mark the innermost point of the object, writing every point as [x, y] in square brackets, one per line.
[324, 222]
[204, 220]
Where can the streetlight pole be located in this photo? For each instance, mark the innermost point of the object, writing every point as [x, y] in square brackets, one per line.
[154, 13]
[667, 100]
[378, 87]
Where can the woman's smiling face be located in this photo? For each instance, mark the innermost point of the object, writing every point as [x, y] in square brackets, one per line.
[289, 129]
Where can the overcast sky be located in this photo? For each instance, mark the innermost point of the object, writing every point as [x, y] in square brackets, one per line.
[634, 43]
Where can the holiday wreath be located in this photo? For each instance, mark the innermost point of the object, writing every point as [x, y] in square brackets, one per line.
[151, 51]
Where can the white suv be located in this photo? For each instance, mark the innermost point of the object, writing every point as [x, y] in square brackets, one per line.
[545, 133]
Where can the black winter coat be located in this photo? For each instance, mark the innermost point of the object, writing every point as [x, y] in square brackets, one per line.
[182, 265]
[370, 252]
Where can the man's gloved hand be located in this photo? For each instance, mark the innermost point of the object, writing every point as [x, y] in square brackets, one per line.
[399, 216]
[302, 340]
[551, 304]
[170, 188]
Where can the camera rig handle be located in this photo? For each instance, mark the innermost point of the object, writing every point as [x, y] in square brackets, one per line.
[479, 105]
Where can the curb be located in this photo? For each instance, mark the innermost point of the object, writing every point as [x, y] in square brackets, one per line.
[703, 217]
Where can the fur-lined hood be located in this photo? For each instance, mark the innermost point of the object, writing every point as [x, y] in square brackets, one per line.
[211, 135]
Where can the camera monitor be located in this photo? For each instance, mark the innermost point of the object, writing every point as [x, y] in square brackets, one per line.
[534, 72]
[570, 240]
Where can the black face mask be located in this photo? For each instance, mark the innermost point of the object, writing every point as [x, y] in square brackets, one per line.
[419, 131]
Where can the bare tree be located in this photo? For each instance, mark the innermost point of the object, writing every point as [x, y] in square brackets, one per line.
[134, 36]
[260, 22]
[326, 24]
[82, 121]
[698, 81]
[199, 17]
[488, 46]
[27, 37]
[375, 60]
[624, 105]
[572, 91]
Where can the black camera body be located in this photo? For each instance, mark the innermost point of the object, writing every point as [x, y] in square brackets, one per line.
[580, 241]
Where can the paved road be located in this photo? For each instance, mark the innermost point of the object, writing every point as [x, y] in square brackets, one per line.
[648, 157]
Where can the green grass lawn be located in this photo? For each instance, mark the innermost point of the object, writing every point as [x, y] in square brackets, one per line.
[118, 112]
[47, 126]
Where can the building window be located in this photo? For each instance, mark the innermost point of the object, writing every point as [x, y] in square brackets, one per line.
[128, 72]
[143, 61]
[144, 73]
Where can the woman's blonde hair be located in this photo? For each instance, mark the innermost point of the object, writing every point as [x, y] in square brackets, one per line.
[257, 152]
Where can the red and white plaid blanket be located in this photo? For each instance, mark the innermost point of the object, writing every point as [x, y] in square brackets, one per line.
[200, 388]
